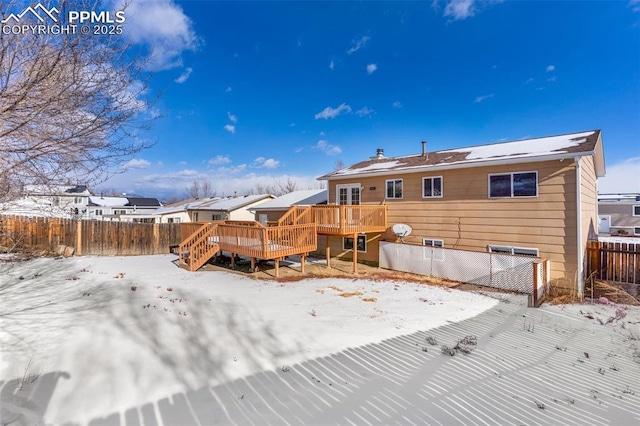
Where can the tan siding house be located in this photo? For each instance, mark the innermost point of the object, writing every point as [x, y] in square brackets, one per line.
[619, 215]
[533, 197]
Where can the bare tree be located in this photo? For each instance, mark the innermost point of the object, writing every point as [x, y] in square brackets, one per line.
[339, 165]
[200, 189]
[71, 105]
[285, 187]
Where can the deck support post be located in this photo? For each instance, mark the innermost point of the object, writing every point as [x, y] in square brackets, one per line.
[302, 260]
[328, 251]
[233, 259]
[253, 264]
[276, 261]
[355, 253]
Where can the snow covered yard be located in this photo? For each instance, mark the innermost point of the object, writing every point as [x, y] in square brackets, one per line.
[110, 333]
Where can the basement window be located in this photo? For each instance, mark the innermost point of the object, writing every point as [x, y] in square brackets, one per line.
[433, 249]
[523, 184]
[522, 251]
[347, 243]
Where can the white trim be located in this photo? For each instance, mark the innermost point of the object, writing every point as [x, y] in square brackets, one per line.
[386, 193]
[432, 168]
[441, 187]
[511, 174]
[579, 254]
[428, 251]
[602, 216]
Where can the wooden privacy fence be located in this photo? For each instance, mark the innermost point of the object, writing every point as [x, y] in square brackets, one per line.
[619, 262]
[88, 237]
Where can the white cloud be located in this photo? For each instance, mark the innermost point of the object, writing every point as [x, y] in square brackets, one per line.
[619, 177]
[270, 163]
[136, 164]
[332, 65]
[357, 44]
[462, 9]
[482, 98]
[230, 128]
[371, 68]
[155, 113]
[364, 111]
[219, 160]
[552, 79]
[232, 118]
[298, 149]
[228, 89]
[184, 76]
[329, 112]
[327, 148]
[259, 160]
[551, 68]
[396, 105]
[634, 5]
[529, 80]
[163, 28]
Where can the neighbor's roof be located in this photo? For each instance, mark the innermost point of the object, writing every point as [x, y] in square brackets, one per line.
[520, 151]
[234, 203]
[57, 190]
[108, 201]
[295, 198]
[620, 198]
[143, 202]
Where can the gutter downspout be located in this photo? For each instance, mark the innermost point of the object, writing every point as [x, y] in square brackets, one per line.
[579, 254]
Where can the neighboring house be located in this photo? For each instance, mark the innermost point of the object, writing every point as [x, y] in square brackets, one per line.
[67, 198]
[619, 214]
[533, 197]
[273, 210]
[119, 208]
[206, 209]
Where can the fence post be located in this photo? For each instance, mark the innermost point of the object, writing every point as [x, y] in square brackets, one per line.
[79, 238]
[156, 239]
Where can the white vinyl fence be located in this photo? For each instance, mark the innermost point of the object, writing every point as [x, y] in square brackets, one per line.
[497, 270]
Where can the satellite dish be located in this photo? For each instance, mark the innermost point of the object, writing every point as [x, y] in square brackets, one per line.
[401, 230]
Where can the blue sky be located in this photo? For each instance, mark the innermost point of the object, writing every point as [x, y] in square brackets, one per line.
[263, 91]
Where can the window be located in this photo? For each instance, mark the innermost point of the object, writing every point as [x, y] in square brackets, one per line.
[56, 201]
[195, 216]
[119, 212]
[173, 220]
[431, 253]
[98, 212]
[347, 243]
[636, 230]
[432, 187]
[77, 200]
[218, 216]
[514, 250]
[513, 185]
[636, 210]
[394, 188]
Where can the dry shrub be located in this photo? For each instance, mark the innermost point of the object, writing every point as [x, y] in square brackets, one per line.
[370, 299]
[613, 292]
[352, 294]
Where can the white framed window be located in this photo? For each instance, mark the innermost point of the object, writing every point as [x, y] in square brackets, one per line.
[347, 243]
[394, 188]
[77, 200]
[348, 193]
[119, 212]
[433, 249]
[98, 212]
[262, 218]
[522, 251]
[520, 184]
[636, 210]
[432, 187]
[218, 216]
[636, 230]
[173, 220]
[195, 216]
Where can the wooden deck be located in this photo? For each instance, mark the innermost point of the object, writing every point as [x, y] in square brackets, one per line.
[296, 233]
[350, 219]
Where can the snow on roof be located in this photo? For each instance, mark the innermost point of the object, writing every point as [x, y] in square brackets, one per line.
[300, 198]
[527, 149]
[57, 190]
[109, 201]
[27, 207]
[233, 203]
[629, 197]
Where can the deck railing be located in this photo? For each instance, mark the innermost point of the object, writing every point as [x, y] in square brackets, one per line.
[296, 215]
[198, 247]
[349, 219]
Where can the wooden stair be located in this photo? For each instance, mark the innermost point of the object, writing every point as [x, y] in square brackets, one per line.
[198, 248]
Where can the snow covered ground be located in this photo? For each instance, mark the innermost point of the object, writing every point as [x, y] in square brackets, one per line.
[117, 332]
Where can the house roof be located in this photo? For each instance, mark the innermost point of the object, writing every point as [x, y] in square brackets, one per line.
[108, 201]
[57, 190]
[619, 198]
[521, 151]
[142, 202]
[232, 203]
[295, 198]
